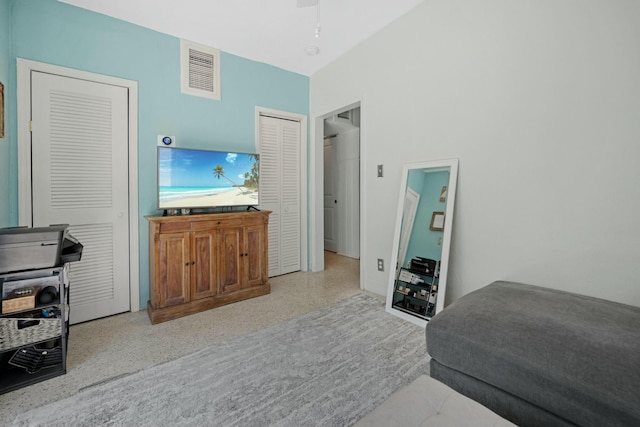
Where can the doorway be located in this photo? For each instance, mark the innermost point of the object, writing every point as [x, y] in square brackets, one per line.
[341, 177]
[78, 166]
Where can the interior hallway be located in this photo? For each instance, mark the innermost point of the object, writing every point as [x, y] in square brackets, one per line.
[118, 345]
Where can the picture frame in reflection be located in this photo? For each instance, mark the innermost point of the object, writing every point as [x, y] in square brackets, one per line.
[437, 221]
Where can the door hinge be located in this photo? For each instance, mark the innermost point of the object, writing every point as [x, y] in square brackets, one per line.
[30, 125]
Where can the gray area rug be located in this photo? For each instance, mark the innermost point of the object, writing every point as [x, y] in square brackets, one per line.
[327, 368]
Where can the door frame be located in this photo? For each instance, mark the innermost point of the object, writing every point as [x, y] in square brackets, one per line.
[316, 171]
[24, 69]
[278, 114]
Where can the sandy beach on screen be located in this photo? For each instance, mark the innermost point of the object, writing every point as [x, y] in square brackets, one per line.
[233, 196]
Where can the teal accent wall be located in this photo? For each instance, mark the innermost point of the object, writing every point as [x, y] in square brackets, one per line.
[415, 180]
[5, 149]
[61, 34]
[423, 242]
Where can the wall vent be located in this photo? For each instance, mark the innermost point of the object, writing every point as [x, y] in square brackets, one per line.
[199, 70]
[345, 115]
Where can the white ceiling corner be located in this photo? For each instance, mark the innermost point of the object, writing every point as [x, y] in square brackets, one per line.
[276, 32]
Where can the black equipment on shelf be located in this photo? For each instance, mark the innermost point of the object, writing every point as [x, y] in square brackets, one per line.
[426, 265]
[33, 359]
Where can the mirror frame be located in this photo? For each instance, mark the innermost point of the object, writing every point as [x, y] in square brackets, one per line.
[452, 165]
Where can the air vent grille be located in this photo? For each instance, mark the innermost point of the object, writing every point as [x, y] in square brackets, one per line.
[200, 70]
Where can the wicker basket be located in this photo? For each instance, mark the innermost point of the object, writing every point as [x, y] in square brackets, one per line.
[12, 336]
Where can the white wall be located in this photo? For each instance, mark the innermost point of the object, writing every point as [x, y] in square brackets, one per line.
[540, 101]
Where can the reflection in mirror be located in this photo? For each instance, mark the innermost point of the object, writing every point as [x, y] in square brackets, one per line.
[422, 239]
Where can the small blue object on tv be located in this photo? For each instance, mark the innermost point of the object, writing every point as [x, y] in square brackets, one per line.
[206, 179]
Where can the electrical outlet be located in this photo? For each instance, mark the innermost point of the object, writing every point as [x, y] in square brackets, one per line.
[379, 171]
[380, 264]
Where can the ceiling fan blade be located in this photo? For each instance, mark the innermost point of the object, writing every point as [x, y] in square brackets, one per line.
[307, 3]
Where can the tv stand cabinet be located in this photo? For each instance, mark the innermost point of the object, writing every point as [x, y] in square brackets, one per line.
[198, 262]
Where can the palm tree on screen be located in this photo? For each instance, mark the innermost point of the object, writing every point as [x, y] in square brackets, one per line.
[218, 171]
[252, 177]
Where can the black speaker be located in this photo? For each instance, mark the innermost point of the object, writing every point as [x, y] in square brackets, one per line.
[48, 295]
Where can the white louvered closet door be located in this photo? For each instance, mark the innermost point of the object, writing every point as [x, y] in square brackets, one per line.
[280, 191]
[80, 177]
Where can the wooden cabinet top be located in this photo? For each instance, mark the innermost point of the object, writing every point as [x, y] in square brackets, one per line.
[218, 217]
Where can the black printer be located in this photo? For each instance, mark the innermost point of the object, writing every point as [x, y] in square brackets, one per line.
[425, 266]
[23, 248]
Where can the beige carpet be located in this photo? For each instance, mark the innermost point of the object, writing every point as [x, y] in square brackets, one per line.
[118, 345]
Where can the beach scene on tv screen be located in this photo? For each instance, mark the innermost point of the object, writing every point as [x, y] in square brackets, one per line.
[197, 179]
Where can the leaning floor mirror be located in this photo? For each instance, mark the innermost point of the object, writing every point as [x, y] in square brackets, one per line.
[422, 239]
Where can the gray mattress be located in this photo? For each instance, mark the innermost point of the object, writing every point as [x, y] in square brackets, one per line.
[508, 406]
[574, 357]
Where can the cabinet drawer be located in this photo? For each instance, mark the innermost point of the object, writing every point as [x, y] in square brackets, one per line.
[170, 227]
[210, 225]
[204, 225]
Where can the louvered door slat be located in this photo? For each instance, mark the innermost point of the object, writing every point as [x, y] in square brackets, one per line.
[78, 123]
[95, 269]
[270, 189]
[290, 233]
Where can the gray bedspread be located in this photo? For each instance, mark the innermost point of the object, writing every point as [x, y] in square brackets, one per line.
[572, 356]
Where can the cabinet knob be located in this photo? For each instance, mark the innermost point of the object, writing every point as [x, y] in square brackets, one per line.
[186, 263]
[193, 262]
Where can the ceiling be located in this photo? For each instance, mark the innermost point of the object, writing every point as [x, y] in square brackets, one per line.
[275, 32]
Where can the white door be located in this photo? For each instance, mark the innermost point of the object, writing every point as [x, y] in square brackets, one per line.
[280, 191]
[348, 189]
[80, 177]
[330, 197]
[411, 200]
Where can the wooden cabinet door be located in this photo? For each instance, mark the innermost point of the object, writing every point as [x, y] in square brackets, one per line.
[231, 255]
[204, 268]
[172, 276]
[254, 250]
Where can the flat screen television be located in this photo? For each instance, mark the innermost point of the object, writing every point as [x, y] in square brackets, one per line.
[189, 179]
